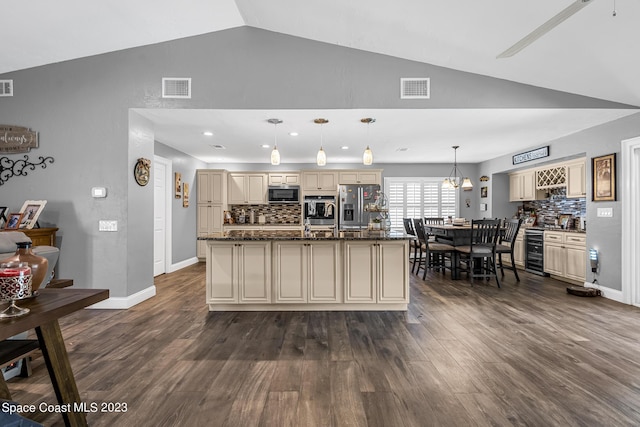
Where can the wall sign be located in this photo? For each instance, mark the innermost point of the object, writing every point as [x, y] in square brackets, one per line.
[17, 139]
[528, 156]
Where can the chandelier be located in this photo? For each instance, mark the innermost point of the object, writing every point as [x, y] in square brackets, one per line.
[455, 179]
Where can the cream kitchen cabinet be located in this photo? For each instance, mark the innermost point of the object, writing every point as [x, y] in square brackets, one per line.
[522, 186]
[307, 272]
[576, 179]
[373, 176]
[211, 186]
[316, 180]
[247, 188]
[376, 271]
[209, 220]
[242, 272]
[565, 255]
[518, 250]
[284, 178]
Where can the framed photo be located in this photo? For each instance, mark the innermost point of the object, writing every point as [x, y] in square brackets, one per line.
[603, 171]
[484, 191]
[31, 210]
[185, 197]
[13, 221]
[178, 185]
[3, 215]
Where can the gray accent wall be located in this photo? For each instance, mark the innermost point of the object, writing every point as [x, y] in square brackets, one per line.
[82, 111]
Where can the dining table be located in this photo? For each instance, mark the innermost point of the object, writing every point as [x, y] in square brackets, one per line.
[45, 309]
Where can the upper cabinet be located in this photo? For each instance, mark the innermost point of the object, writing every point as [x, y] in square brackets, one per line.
[522, 186]
[360, 177]
[576, 179]
[316, 180]
[211, 186]
[247, 188]
[284, 178]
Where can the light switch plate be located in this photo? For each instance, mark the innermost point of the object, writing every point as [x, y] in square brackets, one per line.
[605, 212]
[105, 225]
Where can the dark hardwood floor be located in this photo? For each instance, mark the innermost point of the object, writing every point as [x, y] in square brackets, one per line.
[527, 354]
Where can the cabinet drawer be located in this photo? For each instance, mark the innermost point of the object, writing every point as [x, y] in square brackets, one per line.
[575, 239]
[550, 236]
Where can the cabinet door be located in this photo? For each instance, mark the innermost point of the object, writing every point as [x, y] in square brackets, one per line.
[359, 272]
[209, 219]
[324, 272]
[554, 259]
[528, 185]
[328, 181]
[518, 251]
[515, 188]
[369, 177]
[393, 271]
[256, 191]
[254, 276]
[290, 272]
[210, 186]
[284, 179]
[236, 191]
[222, 272]
[576, 185]
[348, 177]
[576, 266]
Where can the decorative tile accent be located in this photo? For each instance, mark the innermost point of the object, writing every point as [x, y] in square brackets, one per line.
[548, 210]
[275, 213]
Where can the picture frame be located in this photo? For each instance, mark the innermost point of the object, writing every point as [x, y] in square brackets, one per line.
[185, 198]
[3, 215]
[178, 184]
[603, 172]
[484, 191]
[13, 221]
[31, 210]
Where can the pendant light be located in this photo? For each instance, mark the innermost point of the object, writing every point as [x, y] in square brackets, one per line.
[321, 158]
[455, 179]
[275, 154]
[367, 156]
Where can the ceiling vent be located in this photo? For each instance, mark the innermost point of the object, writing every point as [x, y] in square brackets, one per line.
[6, 87]
[173, 87]
[415, 88]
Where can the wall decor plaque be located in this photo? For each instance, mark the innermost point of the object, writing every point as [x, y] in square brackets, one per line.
[528, 156]
[142, 171]
[17, 139]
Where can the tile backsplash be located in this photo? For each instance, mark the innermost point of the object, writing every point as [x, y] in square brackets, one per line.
[548, 210]
[275, 213]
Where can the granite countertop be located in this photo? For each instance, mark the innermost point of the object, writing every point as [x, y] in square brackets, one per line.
[263, 225]
[249, 235]
[558, 228]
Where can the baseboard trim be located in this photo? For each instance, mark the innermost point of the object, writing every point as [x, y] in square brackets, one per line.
[119, 303]
[182, 264]
[608, 293]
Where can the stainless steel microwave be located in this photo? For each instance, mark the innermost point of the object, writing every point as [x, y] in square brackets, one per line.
[284, 194]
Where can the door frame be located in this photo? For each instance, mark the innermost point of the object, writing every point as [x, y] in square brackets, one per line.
[167, 211]
[630, 221]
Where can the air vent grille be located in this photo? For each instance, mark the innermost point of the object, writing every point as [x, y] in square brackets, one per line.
[6, 87]
[176, 87]
[415, 88]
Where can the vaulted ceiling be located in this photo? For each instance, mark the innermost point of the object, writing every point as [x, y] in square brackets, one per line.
[592, 53]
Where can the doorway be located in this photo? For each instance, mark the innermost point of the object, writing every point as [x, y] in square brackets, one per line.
[162, 171]
[631, 221]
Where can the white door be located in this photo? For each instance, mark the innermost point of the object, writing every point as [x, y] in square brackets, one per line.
[159, 216]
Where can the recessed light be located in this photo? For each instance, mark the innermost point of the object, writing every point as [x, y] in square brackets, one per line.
[265, 146]
[402, 149]
[293, 133]
[344, 147]
[207, 133]
[218, 147]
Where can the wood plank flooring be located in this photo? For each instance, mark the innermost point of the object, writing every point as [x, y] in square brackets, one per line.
[527, 354]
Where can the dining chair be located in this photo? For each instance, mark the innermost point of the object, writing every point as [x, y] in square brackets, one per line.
[506, 242]
[435, 253]
[480, 254]
[415, 243]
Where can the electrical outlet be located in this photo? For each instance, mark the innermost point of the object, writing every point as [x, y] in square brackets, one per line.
[605, 212]
[105, 225]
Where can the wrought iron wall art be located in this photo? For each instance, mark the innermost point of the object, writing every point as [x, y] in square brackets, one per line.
[10, 168]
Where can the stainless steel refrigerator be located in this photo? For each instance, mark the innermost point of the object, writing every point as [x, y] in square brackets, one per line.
[352, 200]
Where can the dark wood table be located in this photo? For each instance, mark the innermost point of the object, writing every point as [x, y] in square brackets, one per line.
[455, 235]
[46, 309]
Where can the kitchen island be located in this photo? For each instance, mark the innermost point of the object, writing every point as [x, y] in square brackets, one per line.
[259, 270]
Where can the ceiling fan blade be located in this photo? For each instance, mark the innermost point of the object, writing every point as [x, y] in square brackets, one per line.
[545, 28]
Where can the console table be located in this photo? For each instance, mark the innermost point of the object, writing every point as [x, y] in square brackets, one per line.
[39, 236]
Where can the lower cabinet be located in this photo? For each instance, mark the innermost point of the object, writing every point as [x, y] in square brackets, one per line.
[376, 271]
[239, 273]
[565, 255]
[209, 221]
[307, 272]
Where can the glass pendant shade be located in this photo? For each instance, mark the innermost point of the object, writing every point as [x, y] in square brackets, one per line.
[275, 154]
[321, 158]
[466, 184]
[367, 157]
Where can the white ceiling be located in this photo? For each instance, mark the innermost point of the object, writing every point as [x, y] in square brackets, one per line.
[592, 54]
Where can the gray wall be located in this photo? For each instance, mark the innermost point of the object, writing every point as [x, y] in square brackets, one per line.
[81, 109]
[183, 220]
